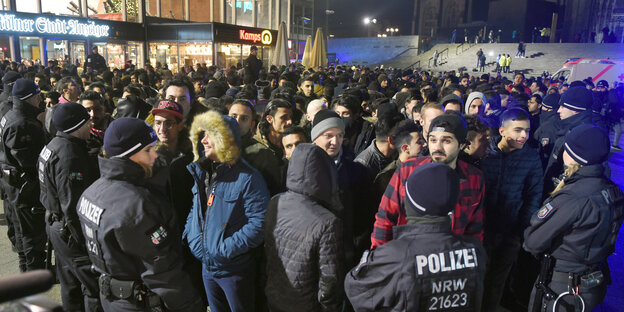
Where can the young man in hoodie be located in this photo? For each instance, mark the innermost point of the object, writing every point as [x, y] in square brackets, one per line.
[303, 238]
[226, 221]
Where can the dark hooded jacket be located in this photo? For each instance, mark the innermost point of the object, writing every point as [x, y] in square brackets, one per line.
[303, 239]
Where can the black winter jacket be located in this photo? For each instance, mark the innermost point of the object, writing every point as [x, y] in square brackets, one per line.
[303, 239]
[65, 171]
[578, 224]
[374, 160]
[132, 234]
[410, 272]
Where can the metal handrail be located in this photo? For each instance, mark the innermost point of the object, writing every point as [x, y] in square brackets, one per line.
[439, 56]
[462, 45]
[413, 66]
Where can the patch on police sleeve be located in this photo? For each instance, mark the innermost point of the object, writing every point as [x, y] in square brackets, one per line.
[76, 176]
[159, 235]
[545, 141]
[544, 211]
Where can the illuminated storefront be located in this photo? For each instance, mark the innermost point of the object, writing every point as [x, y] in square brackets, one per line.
[38, 38]
[233, 43]
[180, 44]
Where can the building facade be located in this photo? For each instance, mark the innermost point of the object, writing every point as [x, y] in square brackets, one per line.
[170, 32]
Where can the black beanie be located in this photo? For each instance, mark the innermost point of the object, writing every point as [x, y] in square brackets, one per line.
[578, 99]
[432, 189]
[551, 101]
[10, 77]
[587, 144]
[69, 117]
[24, 89]
[126, 136]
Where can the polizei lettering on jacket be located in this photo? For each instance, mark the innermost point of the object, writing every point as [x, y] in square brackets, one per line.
[90, 211]
[447, 261]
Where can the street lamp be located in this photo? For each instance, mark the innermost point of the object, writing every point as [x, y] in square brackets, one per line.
[367, 21]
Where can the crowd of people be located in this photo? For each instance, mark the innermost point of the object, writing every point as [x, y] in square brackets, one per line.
[259, 187]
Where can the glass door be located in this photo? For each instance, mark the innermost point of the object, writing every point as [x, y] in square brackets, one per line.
[78, 53]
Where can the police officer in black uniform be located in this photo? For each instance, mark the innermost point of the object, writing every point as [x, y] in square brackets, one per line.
[6, 103]
[65, 171]
[23, 137]
[95, 61]
[426, 267]
[578, 225]
[131, 233]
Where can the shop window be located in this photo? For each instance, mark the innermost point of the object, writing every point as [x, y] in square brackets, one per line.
[133, 8]
[5, 45]
[151, 7]
[29, 6]
[112, 9]
[30, 49]
[4, 5]
[244, 12]
[196, 53]
[229, 55]
[262, 10]
[172, 9]
[57, 50]
[78, 52]
[164, 54]
[61, 7]
[229, 4]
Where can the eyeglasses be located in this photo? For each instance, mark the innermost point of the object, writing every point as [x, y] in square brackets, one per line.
[167, 124]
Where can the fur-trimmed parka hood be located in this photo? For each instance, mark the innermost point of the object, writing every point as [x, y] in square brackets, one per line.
[224, 133]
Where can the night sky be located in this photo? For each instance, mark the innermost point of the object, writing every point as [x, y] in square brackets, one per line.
[347, 21]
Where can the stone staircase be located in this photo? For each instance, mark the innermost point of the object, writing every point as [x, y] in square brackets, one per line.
[539, 57]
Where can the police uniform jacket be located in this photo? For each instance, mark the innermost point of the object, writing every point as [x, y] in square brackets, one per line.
[426, 267]
[579, 224]
[131, 234]
[65, 171]
[23, 138]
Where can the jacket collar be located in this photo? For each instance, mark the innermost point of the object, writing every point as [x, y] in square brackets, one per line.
[591, 171]
[71, 138]
[122, 169]
[422, 225]
[571, 122]
[26, 108]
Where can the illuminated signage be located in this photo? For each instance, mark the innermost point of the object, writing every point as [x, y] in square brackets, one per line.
[58, 26]
[265, 37]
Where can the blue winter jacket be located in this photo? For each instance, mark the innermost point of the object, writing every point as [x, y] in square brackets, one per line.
[222, 235]
[513, 189]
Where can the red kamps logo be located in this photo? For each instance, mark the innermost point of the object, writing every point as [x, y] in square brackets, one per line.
[249, 36]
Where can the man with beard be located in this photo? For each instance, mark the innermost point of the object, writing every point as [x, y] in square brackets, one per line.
[446, 137]
[100, 120]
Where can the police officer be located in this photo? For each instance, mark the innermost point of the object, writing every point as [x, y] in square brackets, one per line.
[65, 171]
[131, 234]
[426, 267]
[6, 103]
[578, 224]
[23, 138]
[95, 61]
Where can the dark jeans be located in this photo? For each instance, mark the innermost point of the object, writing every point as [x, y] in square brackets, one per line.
[502, 253]
[79, 286]
[29, 227]
[592, 297]
[234, 292]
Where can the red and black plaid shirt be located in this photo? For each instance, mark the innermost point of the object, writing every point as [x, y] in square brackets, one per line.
[467, 217]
